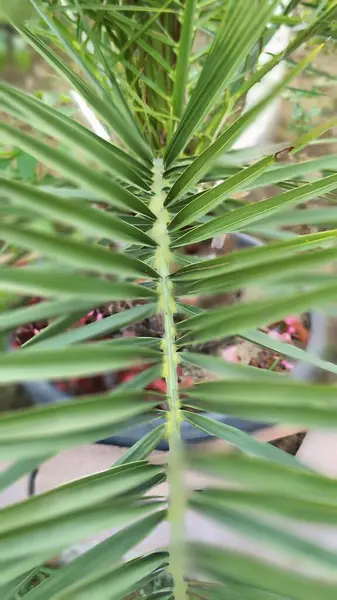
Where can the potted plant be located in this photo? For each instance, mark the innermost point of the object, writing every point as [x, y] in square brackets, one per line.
[113, 228]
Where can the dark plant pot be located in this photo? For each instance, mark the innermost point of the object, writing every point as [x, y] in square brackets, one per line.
[43, 392]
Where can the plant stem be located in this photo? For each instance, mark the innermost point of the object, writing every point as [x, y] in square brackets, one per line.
[175, 477]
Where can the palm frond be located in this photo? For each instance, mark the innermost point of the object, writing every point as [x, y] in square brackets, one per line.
[108, 225]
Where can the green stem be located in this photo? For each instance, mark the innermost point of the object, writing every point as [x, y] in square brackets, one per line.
[177, 492]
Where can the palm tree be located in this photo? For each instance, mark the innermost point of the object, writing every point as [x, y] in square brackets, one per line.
[164, 84]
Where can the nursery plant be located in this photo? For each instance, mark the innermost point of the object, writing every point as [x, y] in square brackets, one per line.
[162, 86]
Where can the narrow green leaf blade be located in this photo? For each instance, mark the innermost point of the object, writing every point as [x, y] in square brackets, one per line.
[263, 475]
[18, 470]
[241, 318]
[78, 495]
[93, 330]
[271, 535]
[99, 557]
[227, 564]
[260, 254]
[276, 174]
[87, 218]
[77, 253]
[239, 30]
[219, 366]
[202, 163]
[115, 584]
[272, 504]
[53, 535]
[243, 217]
[75, 171]
[238, 438]
[313, 134]
[266, 341]
[312, 216]
[72, 361]
[294, 403]
[204, 203]
[270, 271]
[43, 281]
[87, 424]
[108, 111]
[183, 60]
[142, 379]
[10, 319]
[78, 138]
[56, 327]
[141, 449]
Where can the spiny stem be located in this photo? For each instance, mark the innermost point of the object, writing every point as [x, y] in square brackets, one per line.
[177, 492]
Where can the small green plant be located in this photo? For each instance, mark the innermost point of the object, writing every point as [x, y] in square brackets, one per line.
[167, 82]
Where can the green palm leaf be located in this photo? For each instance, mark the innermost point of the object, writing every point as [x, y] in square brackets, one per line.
[241, 27]
[273, 270]
[243, 217]
[85, 217]
[106, 188]
[18, 470]
[10, 319]
[202, 204]
[73, 361]
[103, 106]
[107, 221]
[126, 578]
[253, 400]
[54, 336]
[202, 163]
[85, 492]
[76, 253]
[42, 282]
[257, 255]
[99, 557]
[79, 422]
[239, 439]
[68, 528]
[229, 565]
[141, 449]
[223, 510]
[48, 120]
[270, 504]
